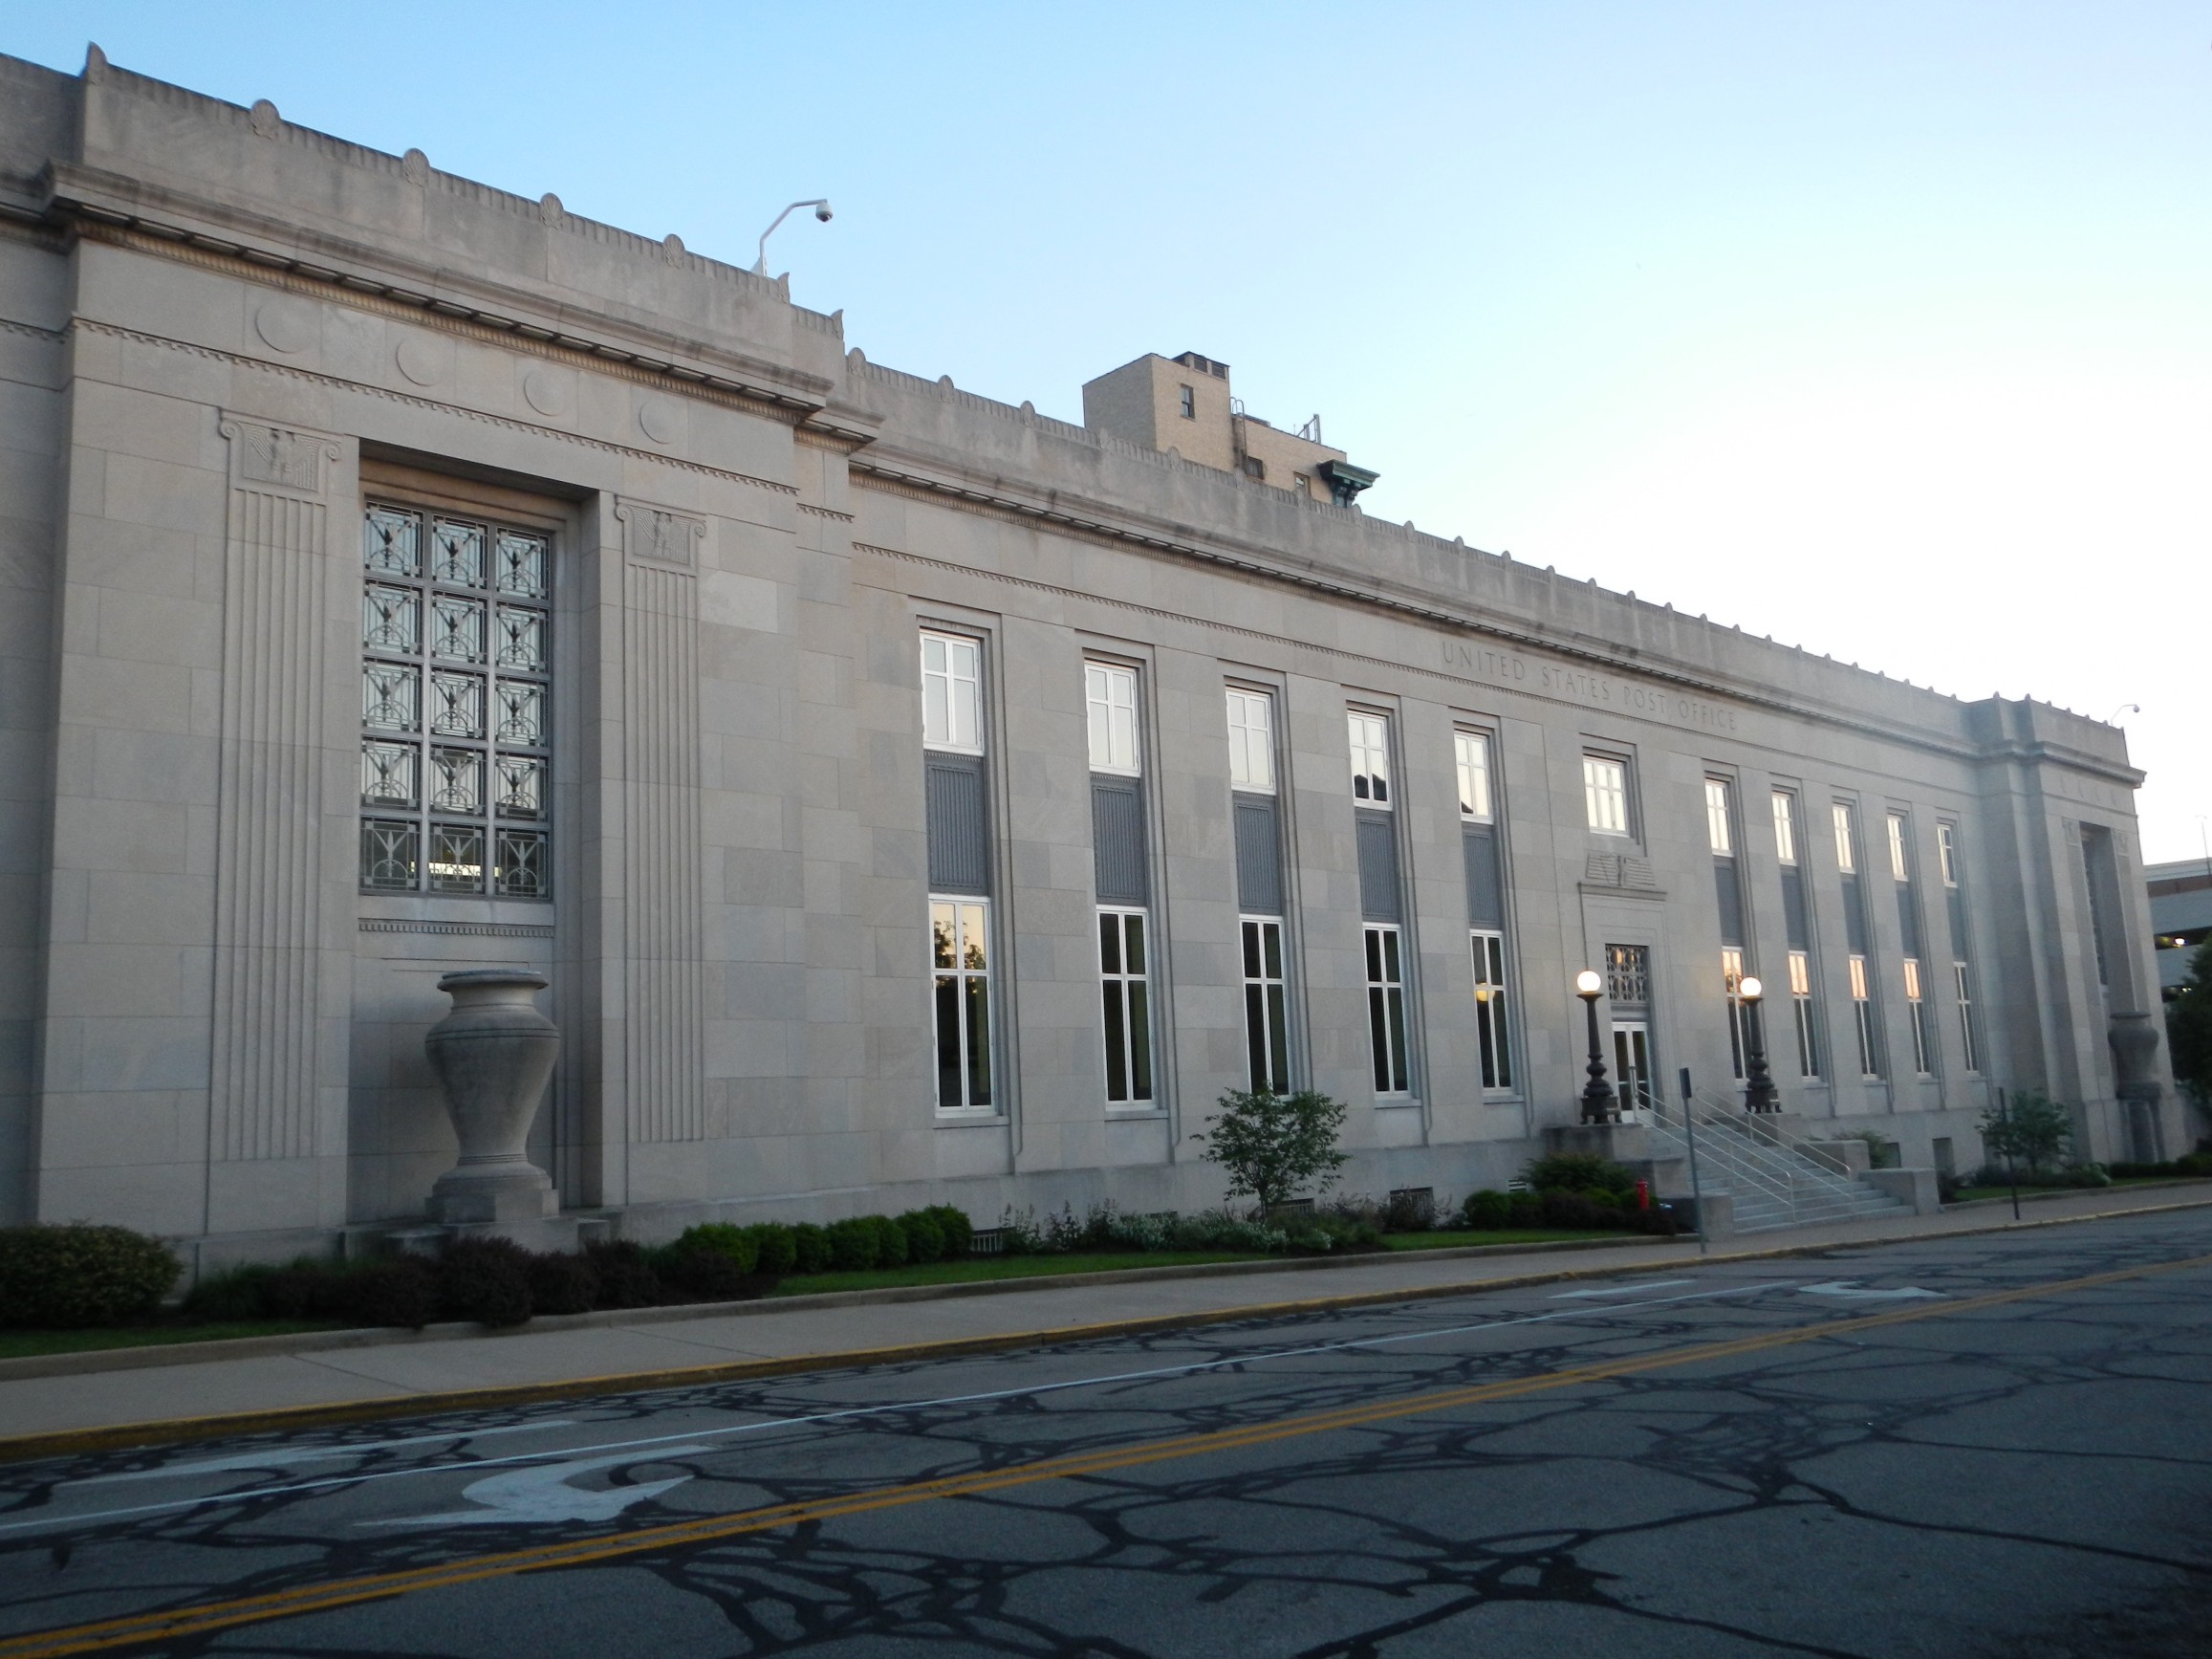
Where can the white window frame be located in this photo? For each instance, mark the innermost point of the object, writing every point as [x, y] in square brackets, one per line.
[1251, 727]
[1471, 759]
[1863, 1013]
[1605, 793]
[1719, 810]
[1947, 852]
[1917, 1017]
[1187, 402]
[1731, 987]
[1126, 1008]
[1266, 985]
[1110, 707]
[1389, 1021]
[1493, 1010]
[962, 692]
[970, 920]
[1784, 809]
[1368, 737]
[1969, 1032]
[1846, 839]
[1901, 859]
[1801, 1005]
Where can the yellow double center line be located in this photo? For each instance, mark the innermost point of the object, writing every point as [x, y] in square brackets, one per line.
[195, 1621]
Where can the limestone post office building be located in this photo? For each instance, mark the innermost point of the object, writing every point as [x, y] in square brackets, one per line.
[910, 797]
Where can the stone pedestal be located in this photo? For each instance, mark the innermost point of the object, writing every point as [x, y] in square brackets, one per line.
[493, 1053]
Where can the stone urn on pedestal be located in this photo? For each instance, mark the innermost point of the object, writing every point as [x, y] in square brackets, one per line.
[493, 1053]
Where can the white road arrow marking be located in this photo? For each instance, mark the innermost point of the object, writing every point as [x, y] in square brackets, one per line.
[542, 1494]
[285, 1456]
[1620, 1289]
[1850, 1291]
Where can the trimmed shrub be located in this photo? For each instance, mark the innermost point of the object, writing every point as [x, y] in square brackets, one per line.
[1524, 1210]
[853, 1244]
[1579, 1172]
[484, 1279]
[2194, 1164]
[1560, 1208]
[402, 1290]
[700, 1268]
[960, 1232]
[626, 1278]
[1410, 1211]
[774, 1248]
[737, 1243]
[811, 1251]
[236, 1294]
[1487, 1212]
[562, 1284]
[890, 1240]
[81, 1275]
[924, 1238]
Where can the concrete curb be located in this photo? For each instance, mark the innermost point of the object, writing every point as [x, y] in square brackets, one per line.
[90, 1362]
[164, 1432]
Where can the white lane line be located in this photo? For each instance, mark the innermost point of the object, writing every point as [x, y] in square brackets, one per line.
[1619, 1289]
[284, 1456]
[847, 1412]
[1850, 1290]
[541, 1494]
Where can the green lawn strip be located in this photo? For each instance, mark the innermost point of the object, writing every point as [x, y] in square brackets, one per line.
[23, 1345]
[1443, 1240]
[1987, 1194]
[978, 1268]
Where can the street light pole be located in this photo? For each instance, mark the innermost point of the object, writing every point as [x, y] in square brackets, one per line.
[1759, 1094]
[1599, 1105]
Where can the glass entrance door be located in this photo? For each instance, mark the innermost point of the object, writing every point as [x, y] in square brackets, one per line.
[1632, 1064]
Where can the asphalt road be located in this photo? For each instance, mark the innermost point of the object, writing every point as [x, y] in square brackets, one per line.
[1945, 1448]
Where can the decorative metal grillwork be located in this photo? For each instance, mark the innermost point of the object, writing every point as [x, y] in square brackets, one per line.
[1628, 975]
[455, 608]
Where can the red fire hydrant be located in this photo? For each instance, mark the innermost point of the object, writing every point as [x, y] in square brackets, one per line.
[1643, 1194]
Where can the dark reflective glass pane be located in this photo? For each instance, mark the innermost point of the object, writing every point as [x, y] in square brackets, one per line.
[1134, 932]
[1398, 1083]
[1139, 1042]
[1378, 1031]
[979, 1077]
[1251, 932]
[1256, 1036]
[948, 1085]
[1278, 1040]
[1109, 942]
[1116, 1044]
[1271, 938]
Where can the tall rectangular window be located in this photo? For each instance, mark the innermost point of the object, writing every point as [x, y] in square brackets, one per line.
[1251, 741]
[1900, 869]
[1785, 806]
[1731, 985]
[1267, 1006]
[1491, 1008]
[1968, 1036]
[1110, 696]
[1605, 793]
[1862, 1016]
[1947, 853]
[1801, 1007]
[1386, 1010]
[456, 697]
[951, 693]
[1187, 403]
[1719, 835]
[1369, 736]
[1846, 841]
[1471, 753]
[1917, 1017]
[960, 959]
[1125, 981]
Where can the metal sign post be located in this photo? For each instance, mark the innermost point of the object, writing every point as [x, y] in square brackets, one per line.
[1690, 1134]
[2004, 1116]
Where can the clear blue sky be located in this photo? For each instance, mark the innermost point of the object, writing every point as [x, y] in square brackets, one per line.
[1886, 329]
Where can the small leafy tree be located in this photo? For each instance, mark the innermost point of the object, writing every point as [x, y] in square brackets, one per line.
[2189, 1027]
[1273, 1145]
[2034, 1128]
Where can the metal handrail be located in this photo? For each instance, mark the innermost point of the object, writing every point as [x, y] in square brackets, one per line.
[1764, 1155]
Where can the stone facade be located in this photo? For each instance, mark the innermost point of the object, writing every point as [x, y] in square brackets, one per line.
[225, 339]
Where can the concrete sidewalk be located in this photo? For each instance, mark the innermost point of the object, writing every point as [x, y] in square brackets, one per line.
[100, 1407]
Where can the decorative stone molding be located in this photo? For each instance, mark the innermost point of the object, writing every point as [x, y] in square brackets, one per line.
[265, 1073]
[664, 951]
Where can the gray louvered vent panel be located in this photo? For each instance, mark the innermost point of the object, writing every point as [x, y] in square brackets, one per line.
[1731, 894]
[1117, 841]
[1259, 855]
[1378, 900]
[1854, 916]
[1793, 908]
[1486, 892]
[959, 825]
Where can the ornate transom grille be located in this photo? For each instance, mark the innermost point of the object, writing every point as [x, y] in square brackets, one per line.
[1628, 975]
[456, 654]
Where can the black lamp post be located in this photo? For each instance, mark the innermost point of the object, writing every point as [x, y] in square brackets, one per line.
[1599, 1105]
[1758, 1087]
